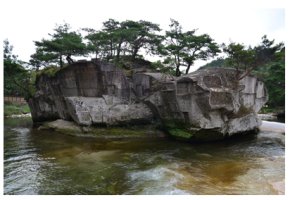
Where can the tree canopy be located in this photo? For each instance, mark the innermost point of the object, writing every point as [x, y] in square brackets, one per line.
[16, 77]
[183, 48]
[127, 37]
[63, 42]
[248, 58]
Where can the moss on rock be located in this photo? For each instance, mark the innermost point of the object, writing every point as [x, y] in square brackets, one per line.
[177, 129]
[180, 133]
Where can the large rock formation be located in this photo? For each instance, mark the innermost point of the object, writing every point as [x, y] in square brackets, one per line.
[208, 104]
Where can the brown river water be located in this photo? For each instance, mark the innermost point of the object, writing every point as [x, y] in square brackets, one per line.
[46, 162]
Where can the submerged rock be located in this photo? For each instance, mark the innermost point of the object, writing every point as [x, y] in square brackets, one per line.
[62, 126]
[71, 128]
[209, 104]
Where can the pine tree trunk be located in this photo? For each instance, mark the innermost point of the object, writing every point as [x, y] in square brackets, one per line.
[135, 53]
[177, 72]
[187, 69]
[119, 50]
[60, 61]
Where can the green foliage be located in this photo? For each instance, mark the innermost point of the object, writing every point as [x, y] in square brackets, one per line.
[161, 67]
[48, 71]
[7, 51]
[198, 47]
[31, 85]
[98, 42]
[115, 40]
[183, 48]
[127, 37]
[63, 43]
[266, 110]
[219, 62]
[246, 59]
[139, 35]
[41, 58]
[276, 85]
[16, 77]
[273, 74]
[15, 109]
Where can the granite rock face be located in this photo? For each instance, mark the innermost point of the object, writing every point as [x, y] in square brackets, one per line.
[107, 110]
[208, 104]
[80, 79]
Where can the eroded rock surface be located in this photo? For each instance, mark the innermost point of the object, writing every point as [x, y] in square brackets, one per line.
[107, 110]
[208, 104]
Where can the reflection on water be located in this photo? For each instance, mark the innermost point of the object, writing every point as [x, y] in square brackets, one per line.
[44, 162]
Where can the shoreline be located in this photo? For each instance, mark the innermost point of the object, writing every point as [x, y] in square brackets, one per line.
[269, 126]
[18, 115]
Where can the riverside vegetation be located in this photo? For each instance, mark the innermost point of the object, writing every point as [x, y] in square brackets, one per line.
[15, 109]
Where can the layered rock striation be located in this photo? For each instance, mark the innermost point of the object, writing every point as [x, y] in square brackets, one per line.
[208, 104]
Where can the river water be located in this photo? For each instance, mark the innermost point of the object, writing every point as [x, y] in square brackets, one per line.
[45, 162]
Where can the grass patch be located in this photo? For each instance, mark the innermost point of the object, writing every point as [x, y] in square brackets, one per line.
[16, 109]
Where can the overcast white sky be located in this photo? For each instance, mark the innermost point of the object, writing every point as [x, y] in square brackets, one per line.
[245, 21]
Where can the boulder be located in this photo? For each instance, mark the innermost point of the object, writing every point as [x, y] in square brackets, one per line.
[62, 126]
[208, 104]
